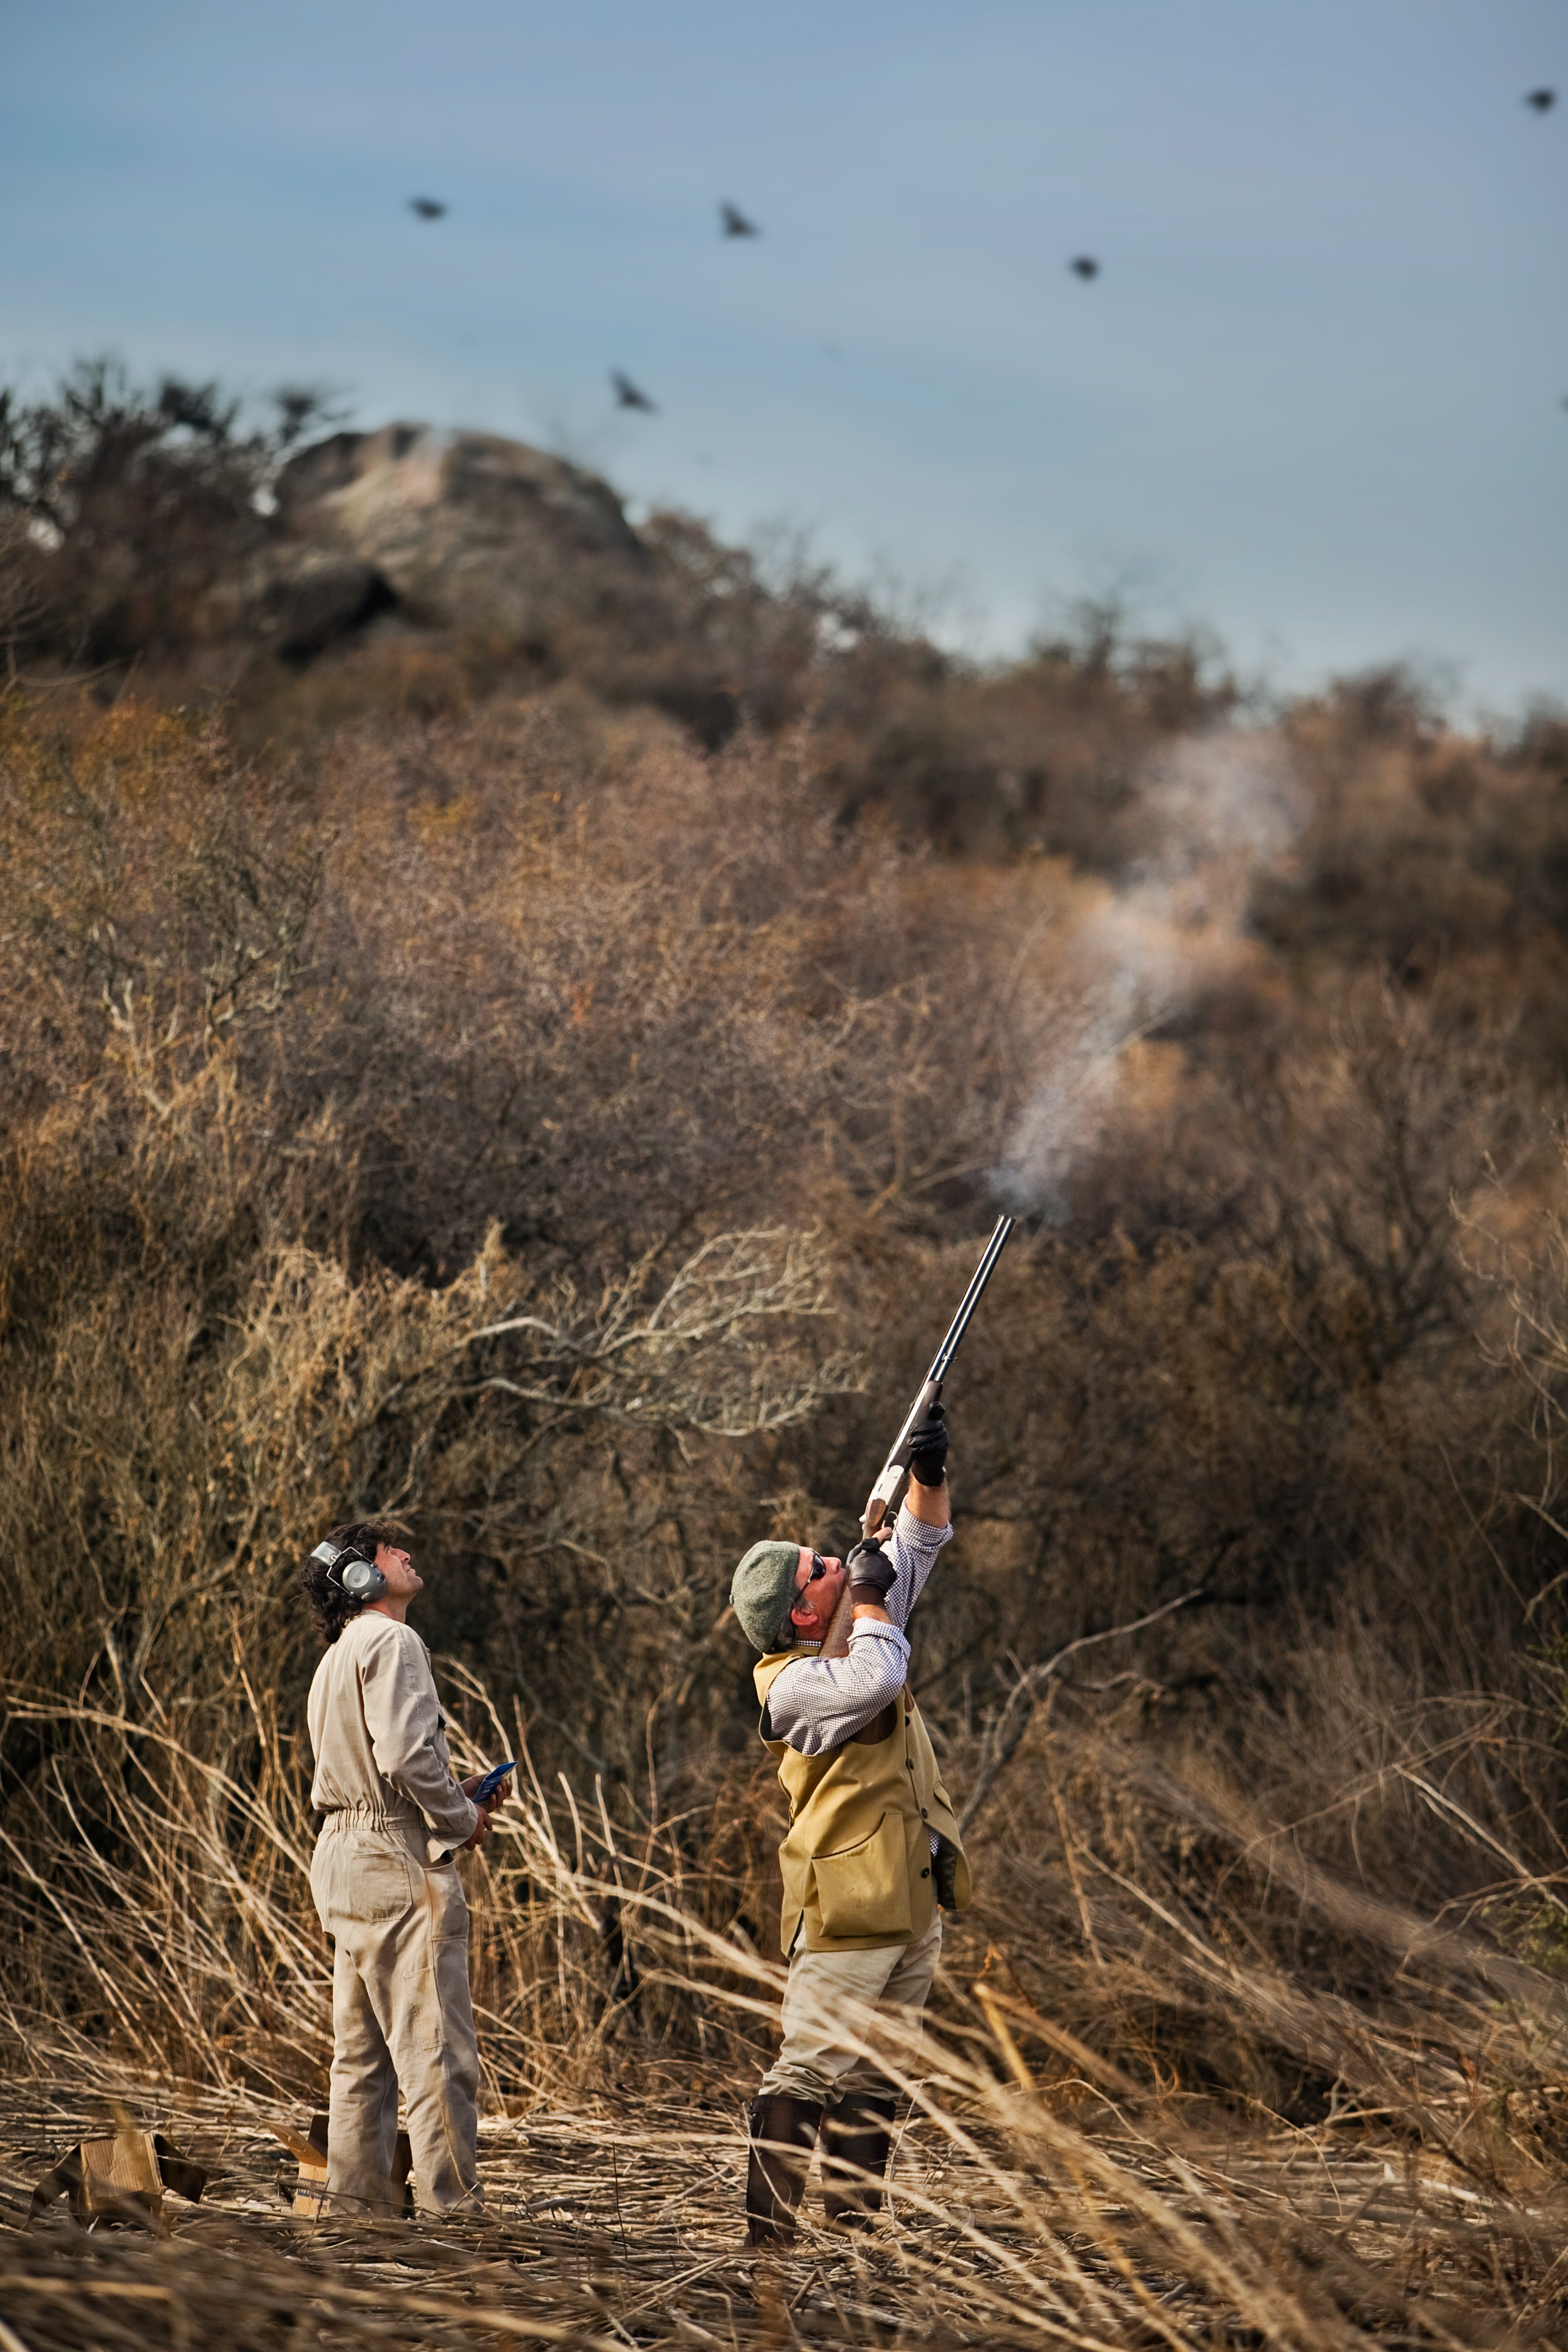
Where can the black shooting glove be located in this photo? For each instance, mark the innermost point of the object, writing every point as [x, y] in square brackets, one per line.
[871, 1573]
[928, 1448]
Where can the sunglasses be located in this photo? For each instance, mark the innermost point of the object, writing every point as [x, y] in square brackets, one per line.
[818, 1568]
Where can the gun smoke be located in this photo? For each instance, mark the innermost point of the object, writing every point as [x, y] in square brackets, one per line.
[1218, 813]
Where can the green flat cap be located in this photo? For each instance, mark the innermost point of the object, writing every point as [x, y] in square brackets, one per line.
[762, 1588]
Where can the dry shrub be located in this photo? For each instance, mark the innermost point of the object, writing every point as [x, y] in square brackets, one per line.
[518, 1120]
[140, 512]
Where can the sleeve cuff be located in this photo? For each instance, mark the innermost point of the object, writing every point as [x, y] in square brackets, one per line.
[440, 1845]
[867, 1628]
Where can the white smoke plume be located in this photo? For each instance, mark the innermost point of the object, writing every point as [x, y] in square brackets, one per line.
[1218, 813]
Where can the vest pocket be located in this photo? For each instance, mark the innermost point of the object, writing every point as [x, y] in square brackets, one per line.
[865, 1890]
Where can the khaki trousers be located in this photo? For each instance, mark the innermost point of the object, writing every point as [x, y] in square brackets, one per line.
[401, 2015]
[815, 2063]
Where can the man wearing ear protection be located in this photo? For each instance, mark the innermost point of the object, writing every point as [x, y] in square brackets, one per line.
[385, 1884]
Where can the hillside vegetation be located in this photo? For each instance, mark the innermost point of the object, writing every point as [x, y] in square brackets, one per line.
[557, 1092]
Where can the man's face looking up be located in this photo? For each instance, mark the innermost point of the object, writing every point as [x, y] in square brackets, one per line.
[818, 1588]
[403, 1580]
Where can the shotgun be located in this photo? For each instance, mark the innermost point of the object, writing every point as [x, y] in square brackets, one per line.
[884, 1494]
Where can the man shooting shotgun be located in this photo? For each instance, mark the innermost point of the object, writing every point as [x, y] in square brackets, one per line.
[872, 1858]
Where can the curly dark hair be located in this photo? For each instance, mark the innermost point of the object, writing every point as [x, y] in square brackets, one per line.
[330, 1606]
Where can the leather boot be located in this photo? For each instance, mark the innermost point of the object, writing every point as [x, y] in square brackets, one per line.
[783, 2133]
[856, 2139]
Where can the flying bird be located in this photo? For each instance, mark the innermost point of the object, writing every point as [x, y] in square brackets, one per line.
[735, 221]
[1084, 265]
[628, 394]
[427, 207]
[1543, 101]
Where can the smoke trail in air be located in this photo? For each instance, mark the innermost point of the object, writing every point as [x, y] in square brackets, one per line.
[1218, 813]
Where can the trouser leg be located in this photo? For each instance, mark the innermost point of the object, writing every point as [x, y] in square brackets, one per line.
[907, 1988]
[859, 2137]
[362, 2119]
[430, 2029]
[817, 2060]
[405, 2020]
[783, 2134]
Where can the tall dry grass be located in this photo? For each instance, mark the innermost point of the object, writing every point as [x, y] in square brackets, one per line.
[1043, 2185]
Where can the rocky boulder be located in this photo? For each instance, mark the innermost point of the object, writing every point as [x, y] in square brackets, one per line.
[464, 531]
[308, 597]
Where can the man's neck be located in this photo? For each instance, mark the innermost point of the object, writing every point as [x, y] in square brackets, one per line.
[396, 1610]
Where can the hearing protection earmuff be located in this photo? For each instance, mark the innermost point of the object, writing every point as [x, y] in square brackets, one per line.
[350, 1572]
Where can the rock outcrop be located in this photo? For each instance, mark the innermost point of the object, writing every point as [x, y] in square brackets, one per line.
[463, 530]
[312, 596]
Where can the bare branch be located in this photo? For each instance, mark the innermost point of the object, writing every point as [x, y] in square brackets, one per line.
[1002, 1740]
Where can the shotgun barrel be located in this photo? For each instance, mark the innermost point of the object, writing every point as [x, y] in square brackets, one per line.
[836, 1642]
[885, 1492]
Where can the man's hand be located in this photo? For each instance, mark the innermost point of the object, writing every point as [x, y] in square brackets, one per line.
[928, 1448]
[871, 1573]
[490, 1806]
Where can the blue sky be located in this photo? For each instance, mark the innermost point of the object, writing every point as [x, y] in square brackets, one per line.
[1315, 399]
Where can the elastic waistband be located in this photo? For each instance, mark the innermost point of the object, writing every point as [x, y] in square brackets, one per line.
[368, 1817]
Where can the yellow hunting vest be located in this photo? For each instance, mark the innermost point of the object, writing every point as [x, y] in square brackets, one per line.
[856, 1861]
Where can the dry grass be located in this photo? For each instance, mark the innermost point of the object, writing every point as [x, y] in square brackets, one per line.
[1049, 2182]
[611, 2226]
[1051, 2199]
[1006, 2226]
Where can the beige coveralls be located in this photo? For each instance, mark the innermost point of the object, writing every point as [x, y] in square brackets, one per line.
[388, 1894]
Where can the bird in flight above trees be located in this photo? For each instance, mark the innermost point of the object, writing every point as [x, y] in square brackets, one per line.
[427, 207]
[735, 223]
[628, 394]
[1543, 101]
[1084, 265]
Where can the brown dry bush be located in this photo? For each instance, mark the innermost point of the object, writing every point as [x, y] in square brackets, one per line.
[519, 1015]
[139, 511]
[523, 1121]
